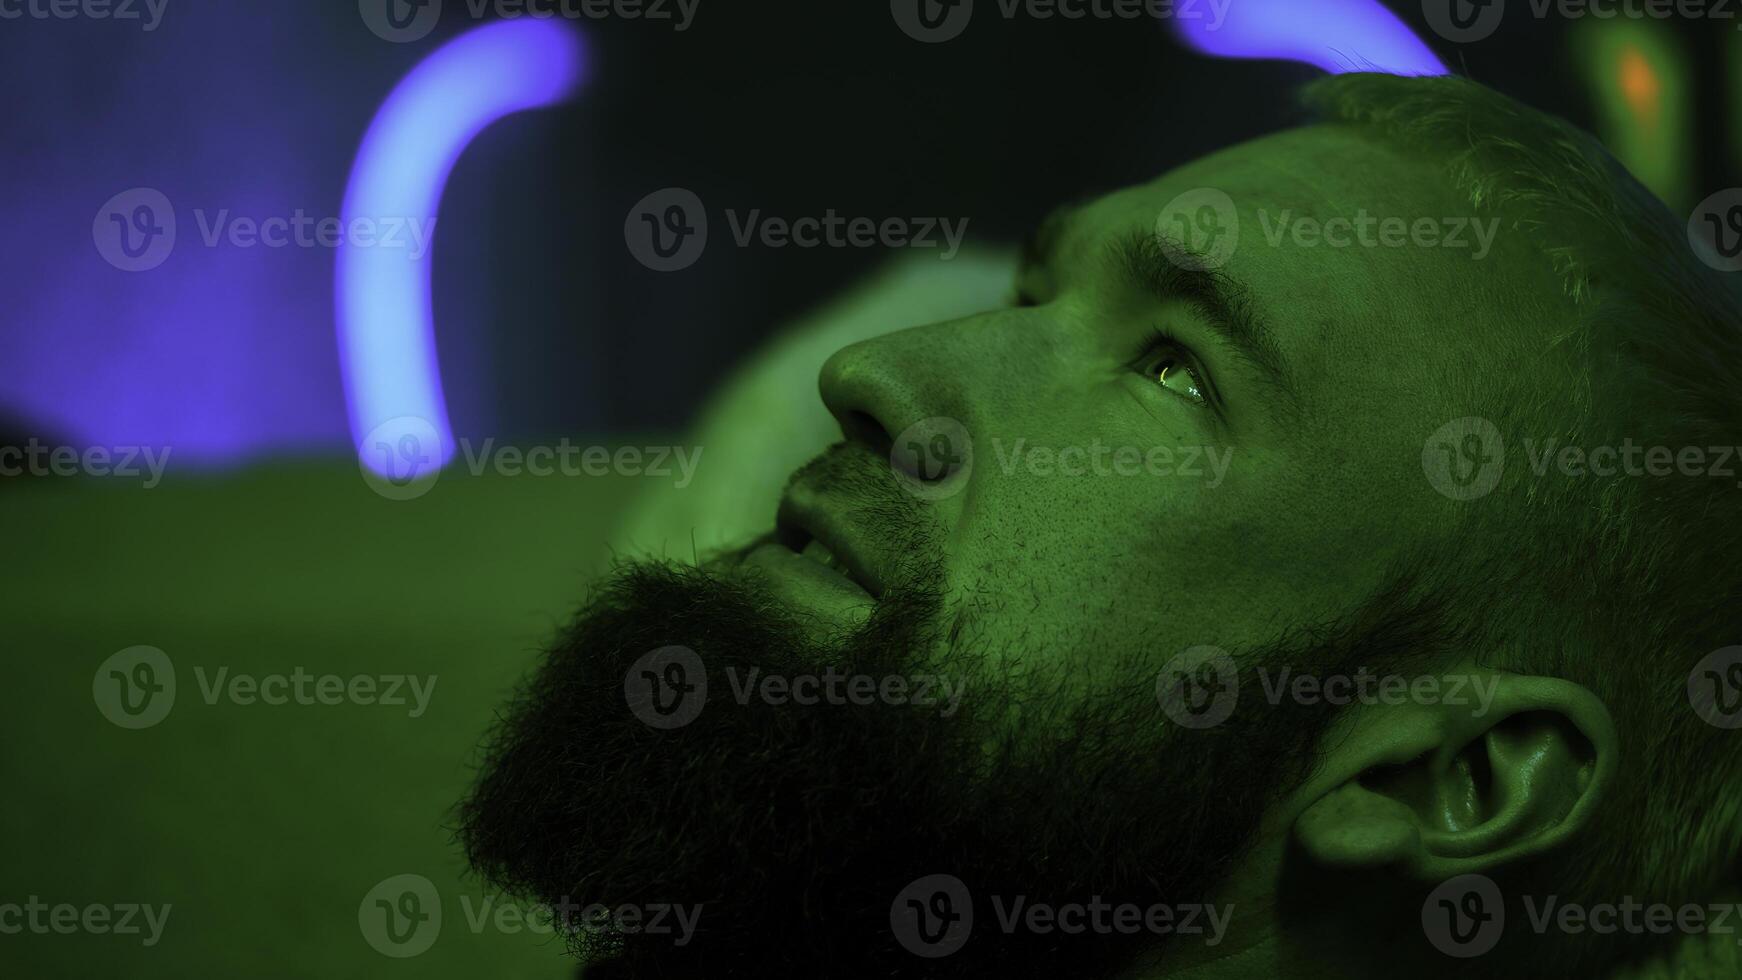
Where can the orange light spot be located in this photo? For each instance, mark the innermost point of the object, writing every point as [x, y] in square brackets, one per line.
[1640, 86]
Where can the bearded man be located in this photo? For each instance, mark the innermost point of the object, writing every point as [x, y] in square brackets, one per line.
[1225, 605]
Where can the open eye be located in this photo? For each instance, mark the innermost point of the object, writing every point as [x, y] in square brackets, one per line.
[1174, 373]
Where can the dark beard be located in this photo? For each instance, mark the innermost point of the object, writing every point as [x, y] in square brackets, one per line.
[795, 827]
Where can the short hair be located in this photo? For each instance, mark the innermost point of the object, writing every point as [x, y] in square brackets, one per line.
[1620, 584]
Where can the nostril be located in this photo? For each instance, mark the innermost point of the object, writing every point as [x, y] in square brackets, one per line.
[862, 428]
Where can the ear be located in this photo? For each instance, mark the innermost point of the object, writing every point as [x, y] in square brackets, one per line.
[1468, 774]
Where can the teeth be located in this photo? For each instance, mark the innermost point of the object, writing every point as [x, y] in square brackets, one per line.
[819, 552]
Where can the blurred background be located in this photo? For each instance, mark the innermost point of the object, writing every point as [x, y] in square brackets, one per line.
[545, 323]
[283, 840]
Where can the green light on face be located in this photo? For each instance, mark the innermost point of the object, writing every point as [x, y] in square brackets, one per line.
[1638, 73]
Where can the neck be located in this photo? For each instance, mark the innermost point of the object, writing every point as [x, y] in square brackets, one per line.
[1697, 954]
[1253, 947]
[1249, 947]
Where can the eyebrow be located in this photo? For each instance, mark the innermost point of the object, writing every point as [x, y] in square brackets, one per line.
[1150, 262]
[1173, 272]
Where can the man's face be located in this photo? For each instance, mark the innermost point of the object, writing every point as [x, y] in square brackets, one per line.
[1041, 600]
[1267, 479]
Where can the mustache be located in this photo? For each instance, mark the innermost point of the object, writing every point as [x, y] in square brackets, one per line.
[848, 467]
[864, 485]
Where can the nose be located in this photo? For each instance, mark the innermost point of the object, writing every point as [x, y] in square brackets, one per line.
[919, 397]
[879, 388]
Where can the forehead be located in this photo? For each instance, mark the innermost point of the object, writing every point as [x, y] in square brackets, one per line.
[1400, 299]
[1315, 171]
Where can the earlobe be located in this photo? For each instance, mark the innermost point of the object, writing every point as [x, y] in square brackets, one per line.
[1353, 827]
[1436, 790]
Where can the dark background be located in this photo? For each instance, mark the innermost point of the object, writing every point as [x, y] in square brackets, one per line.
[546, 324]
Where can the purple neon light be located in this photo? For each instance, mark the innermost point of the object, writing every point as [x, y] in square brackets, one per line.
[392, 377]
[1335, 35]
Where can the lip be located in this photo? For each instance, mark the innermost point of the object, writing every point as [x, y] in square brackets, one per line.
[802, 519]
[810, 587]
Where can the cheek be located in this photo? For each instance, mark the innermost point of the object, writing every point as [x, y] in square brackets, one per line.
[1111, 566]
[1106, 561]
